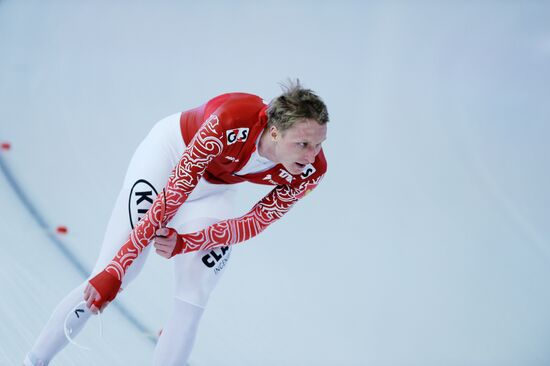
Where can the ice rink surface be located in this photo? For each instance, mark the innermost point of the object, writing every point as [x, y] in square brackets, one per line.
[428, 242]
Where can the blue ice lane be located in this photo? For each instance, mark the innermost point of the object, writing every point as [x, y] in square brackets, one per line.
[65, 251]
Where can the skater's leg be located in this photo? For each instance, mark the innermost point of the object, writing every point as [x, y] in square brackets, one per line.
[151, 163]
[52, 338]
[178, 336]
[196, 275]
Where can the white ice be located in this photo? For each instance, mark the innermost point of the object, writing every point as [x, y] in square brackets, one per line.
[427, 244]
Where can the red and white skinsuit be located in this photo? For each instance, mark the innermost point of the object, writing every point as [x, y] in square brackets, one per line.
[220, 137]
[213, 142]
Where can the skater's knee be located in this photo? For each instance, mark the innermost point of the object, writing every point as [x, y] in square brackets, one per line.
[183, 301]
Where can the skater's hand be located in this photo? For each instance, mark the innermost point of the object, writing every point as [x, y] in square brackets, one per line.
[100, 291]
[167, 242]
[90, 296]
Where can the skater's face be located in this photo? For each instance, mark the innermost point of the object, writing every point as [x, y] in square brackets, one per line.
[298, 145]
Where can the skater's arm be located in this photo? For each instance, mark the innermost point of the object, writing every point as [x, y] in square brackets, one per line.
[203, 148]
[232, 231]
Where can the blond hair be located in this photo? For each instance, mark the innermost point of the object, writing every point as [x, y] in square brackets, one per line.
[294, 105]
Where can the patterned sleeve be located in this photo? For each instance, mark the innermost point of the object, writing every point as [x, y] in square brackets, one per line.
[232, 231]
[205, 146]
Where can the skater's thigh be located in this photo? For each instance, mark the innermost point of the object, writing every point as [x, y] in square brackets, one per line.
[147, 174]
[197, 273]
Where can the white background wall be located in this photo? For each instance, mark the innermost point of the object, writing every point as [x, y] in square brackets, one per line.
[428, 241]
